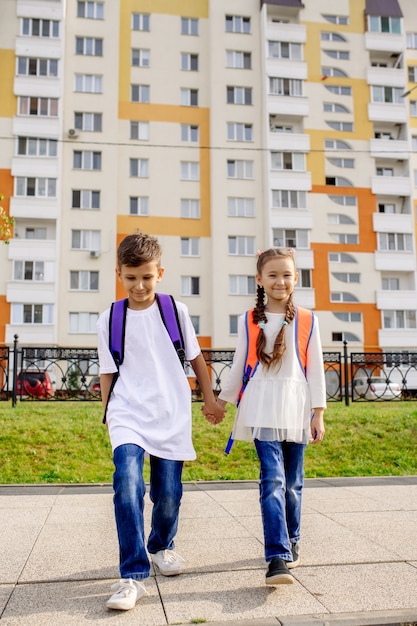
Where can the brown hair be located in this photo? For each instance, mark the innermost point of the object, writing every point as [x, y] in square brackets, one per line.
[259, 314]
[137, 249]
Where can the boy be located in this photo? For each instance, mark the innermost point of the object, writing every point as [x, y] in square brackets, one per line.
[148, 411]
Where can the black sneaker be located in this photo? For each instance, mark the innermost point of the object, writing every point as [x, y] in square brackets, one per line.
[295, 557]
[278, 573]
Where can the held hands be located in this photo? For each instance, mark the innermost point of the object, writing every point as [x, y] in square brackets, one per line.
[214, 411]
[317, 426]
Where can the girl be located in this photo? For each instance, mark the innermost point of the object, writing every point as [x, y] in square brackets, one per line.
[282, 406]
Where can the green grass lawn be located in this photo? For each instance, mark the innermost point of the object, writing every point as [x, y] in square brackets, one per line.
[66, 442]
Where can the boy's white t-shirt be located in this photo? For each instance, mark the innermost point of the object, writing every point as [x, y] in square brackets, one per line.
[151, 402]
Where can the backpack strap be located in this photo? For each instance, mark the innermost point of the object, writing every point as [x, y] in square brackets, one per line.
[304, 324]
[169, 314]
[251, 359]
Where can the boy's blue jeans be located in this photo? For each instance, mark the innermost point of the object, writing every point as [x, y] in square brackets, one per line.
[282, 478]
[129, 491]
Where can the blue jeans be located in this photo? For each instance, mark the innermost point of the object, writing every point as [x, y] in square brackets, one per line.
[129, 491]
[281, 485]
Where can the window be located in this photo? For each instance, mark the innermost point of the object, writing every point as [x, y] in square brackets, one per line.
[333, 71]
[400, 242]
[138, 205]
[88, 122]
[88, 83]
[385, 136]
[240, 169]
[239, 132]
[37, 67]
[238, 60]
[285, 87]
[348, 163]
[85, 199]
[346, 127]
[384, 171]
[342, 296]
[139, 168]
[414, 143]
[412, 73]
[399, 319]
[278, 128]
[332, 107]
[190, 208]
[288, 161]
[89, 46]
[189, 97]
[86, 160]
[83, 322]
[285, 50]
[189, 26]
[383, 24]
[190, 133]
[339, 218]
[35, 233]
[85, 240]
[339, 90]
[290, 238]
[140, 93]
[344, 200]
[289, 199]
[344, 336]
[413, 108]
[390, 284]
[347, 277]
[29, 270]
[139, 130]
[386, 94]
[336, 144]
[190, 285]
[140, 57]
[233, 324]
[36, 187]
[304, 279]
[237, 24]
[337, 19]
[33, 27]
[345, 238]
[341, 257]
[190, 246]
[338, 181]
[412, 40]
[91, 10]
[239, 95]
[240, 207]
[189, 62]
[348, 316]
[195, 321]
[242, 285]
[241, 246]
[190, 170]
[337, 54]
[83, 281]
[141, 21]
[44, 107]
[329, 36]
[387, 207]
[32, 313]
[32, 146]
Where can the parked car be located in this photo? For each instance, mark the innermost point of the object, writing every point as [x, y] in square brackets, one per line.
[94, 386]
[376, 387]
[35, 383]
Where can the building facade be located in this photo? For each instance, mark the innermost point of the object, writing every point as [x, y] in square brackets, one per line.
[222, 127]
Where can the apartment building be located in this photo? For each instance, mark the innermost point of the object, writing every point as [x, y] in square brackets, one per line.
[222, 127]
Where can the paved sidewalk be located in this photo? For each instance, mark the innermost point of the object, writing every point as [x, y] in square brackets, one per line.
[58, 557]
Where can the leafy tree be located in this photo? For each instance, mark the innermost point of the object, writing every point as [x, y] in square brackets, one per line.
[6, 224]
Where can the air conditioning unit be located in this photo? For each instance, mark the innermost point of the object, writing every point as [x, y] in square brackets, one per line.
[94, 254]
[73, 133]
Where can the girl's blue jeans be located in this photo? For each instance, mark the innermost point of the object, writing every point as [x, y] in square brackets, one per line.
[129, 491]
[281, 485]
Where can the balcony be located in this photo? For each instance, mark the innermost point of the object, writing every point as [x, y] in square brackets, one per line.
[39, 86]
[32, 249]
[40, 167]
[285, 68]
[392, 222]
[396, 300]
[391, 185]
[288, 105]
[397, 338]
[394, 77]
[400, 261]
[305, 258]
[35, 125]
[289, 179]
[387, 112]
[31, 334]
[389, 149]
[29, 291]
[278, 31]
[384, 42]
[305, 297]
[289, 142]
[38, 47]
[291, 219]
[34, 208]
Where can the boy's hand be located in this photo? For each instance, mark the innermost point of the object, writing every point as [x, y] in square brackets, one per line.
[317, 426]
[213, 412]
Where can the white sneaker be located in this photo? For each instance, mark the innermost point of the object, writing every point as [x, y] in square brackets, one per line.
[127, 593]
[168, 562]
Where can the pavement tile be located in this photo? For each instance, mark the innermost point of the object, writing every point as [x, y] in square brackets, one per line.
[205, 555]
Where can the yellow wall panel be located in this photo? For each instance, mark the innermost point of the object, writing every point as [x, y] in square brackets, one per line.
[7, 98]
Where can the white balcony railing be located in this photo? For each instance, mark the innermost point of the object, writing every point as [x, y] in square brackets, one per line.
[391, 185]
[389, 149]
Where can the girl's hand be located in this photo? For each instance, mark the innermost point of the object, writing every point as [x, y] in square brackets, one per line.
[213, 412]
[317, 426]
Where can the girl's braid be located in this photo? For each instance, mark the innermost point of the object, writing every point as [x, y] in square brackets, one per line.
[259, 315]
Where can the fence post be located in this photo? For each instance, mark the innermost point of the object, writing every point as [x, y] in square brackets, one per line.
[345, 372]
[14, 378]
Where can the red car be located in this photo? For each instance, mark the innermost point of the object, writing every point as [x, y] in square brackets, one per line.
[34, 383]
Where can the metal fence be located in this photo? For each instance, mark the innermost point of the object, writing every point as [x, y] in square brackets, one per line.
[30, 373]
